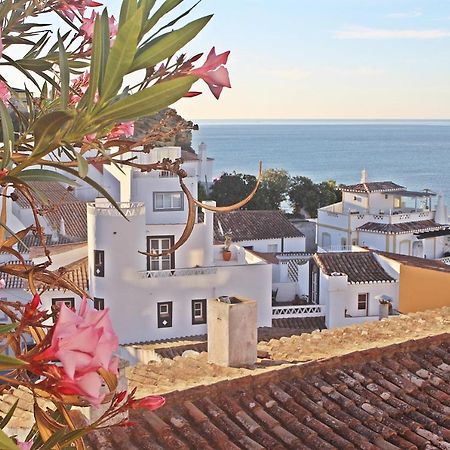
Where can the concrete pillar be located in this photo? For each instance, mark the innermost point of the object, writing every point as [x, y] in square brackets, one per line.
[232, 332]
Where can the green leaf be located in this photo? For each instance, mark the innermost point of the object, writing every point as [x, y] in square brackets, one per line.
[146, 102]
[37, 65]
[8, 135]
[127, 10]
[121, 56]
[83, 166]
[9, 414]
[7, 328]
[44, 175]
[64, 73]
[47, 127]
[166, 7]
[6, 443]
[168, 44]
[9, 362]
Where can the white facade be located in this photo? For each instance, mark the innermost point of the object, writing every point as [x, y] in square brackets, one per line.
[163, 297]
[341, 299]
[338, 224]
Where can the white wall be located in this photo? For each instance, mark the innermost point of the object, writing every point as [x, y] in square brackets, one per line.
[339, 296]
[133, 302]
[373, 240]
[296, 244]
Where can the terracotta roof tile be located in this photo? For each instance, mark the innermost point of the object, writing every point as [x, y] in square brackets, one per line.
[415, 261]
[365, 400]
[13, 282]
[51, 192]
[360, 267]
[372, 186]
[75, 219]
[254, 225]
[78, 273]
[399, 228]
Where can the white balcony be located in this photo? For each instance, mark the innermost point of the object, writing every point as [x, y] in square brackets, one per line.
[178, 272]
[298, 311]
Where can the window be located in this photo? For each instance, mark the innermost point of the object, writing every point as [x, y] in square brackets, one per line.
[99, 303]
[167, 201]
[164, 314]
[326, 241]
[198, 311]
[99, 263]
[69, 302]
[363, 303]
[272, 248]
[158, 244]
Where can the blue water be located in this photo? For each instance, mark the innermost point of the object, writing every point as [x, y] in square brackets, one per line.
[415, 154]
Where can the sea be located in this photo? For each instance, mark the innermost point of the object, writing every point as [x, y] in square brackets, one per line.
[414, 154]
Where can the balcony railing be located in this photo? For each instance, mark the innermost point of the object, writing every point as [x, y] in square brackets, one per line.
[179, 272]
[298, 311]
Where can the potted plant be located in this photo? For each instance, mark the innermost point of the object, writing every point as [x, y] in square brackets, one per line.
[226, 252]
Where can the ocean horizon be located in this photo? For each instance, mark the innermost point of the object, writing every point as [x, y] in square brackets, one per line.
[413, 153]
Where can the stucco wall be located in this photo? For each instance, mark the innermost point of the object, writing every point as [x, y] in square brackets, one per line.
[422, 289]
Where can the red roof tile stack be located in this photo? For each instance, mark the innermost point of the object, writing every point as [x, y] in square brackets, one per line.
[399, 228]
[247, 225]
[360, 267]
[397, 397]
[372, 186]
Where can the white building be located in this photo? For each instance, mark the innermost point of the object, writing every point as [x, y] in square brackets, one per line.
[350, 285]
[164, 297]
[270, 235]
[385, 216]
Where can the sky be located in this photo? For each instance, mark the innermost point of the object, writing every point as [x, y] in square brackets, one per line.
[324, 59]
[327, 59]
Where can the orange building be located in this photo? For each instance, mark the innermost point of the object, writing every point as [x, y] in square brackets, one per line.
[424, 283]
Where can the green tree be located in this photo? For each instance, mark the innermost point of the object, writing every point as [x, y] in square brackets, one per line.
[303, 195]
[328, 193]
[274, 187]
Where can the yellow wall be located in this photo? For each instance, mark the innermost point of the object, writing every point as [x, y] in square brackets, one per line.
[422, 289]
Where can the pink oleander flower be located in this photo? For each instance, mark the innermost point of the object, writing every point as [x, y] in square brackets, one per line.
[83, 341]
[5, 93]
[79, 86]
[90, 137]
[25, 445]
[151, 402]
[125, 129]
[214, 73]
[2, 283]
[70, 7]
[87, 28]
[87, 385]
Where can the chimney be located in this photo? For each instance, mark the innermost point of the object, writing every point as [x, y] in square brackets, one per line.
[364, 176]
[385, 306]
[441, 214]
[232, 332]
[62, 227]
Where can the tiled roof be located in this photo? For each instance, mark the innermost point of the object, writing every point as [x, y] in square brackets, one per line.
[13, 282]
[254, 225]
[401, 228]
[373, 186]
[32, 240]
[51, 191]
[396, 397]
[360, 267]
[75, 219]
[423, 263]
[77, 273]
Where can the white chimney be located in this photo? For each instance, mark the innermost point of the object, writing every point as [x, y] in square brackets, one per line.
[441, 214]
[232, 331]
[364, 176]
[62, 227]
